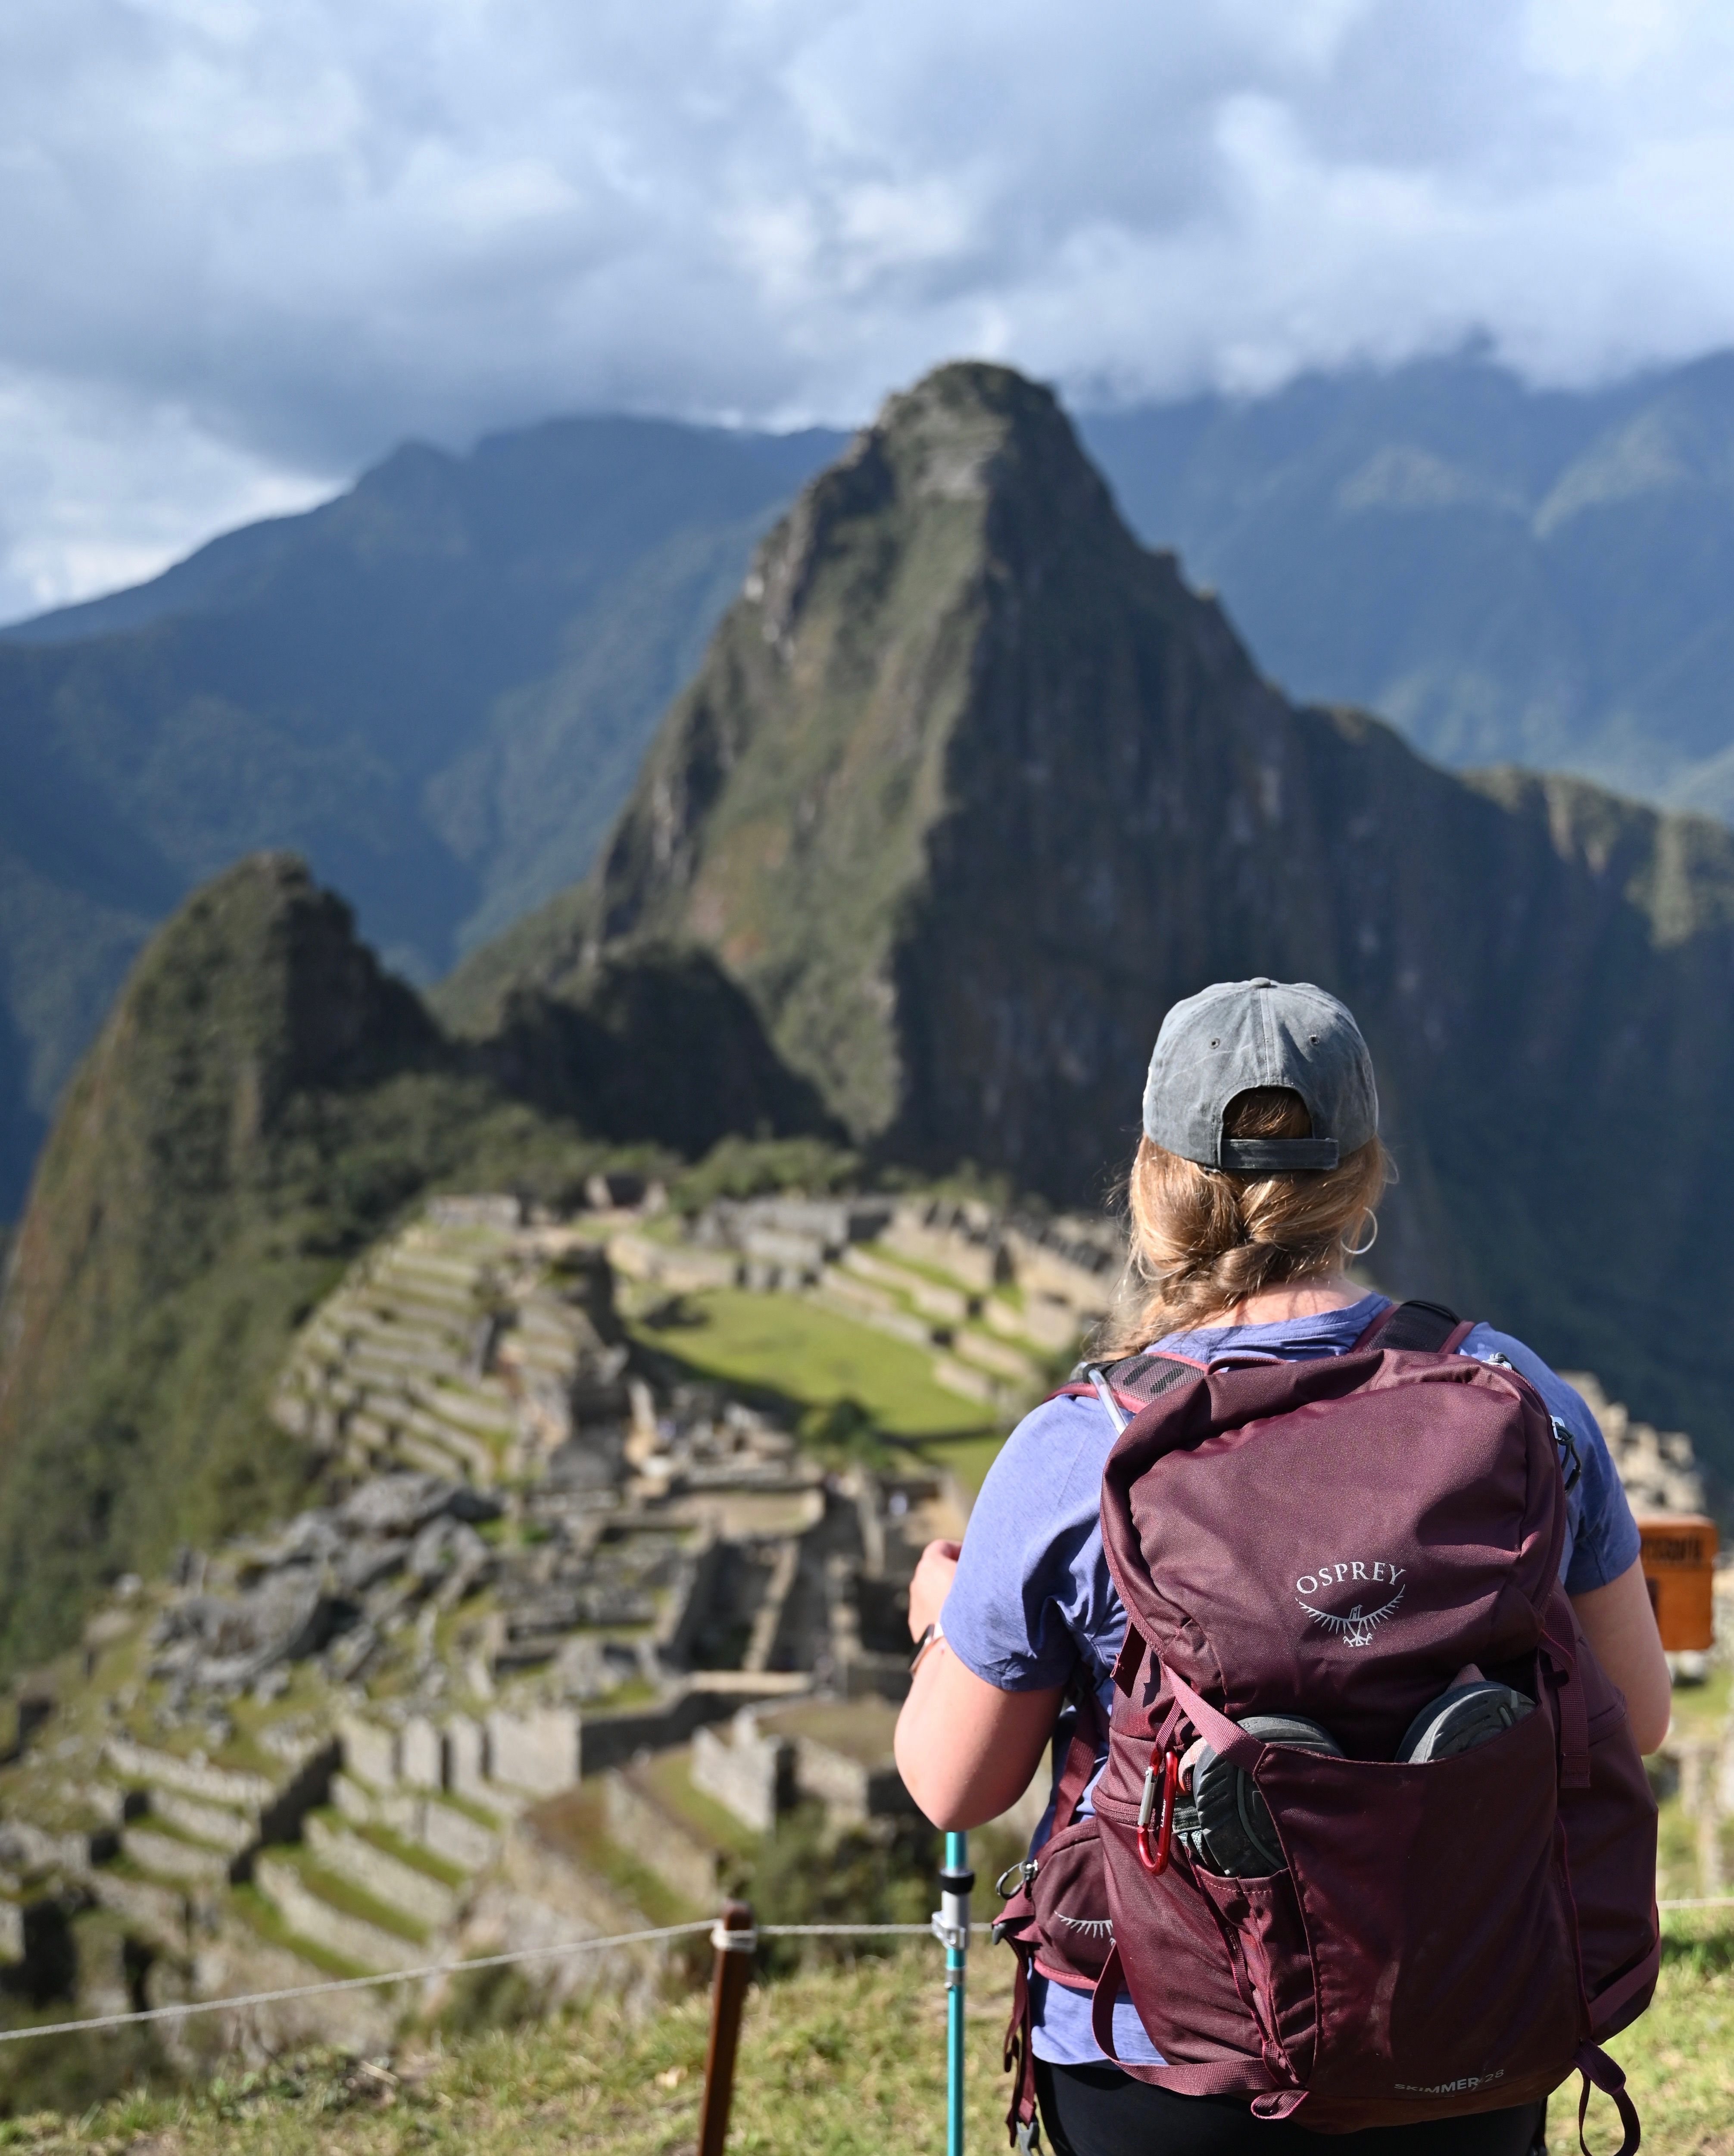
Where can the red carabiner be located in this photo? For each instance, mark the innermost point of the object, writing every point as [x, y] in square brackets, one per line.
[1168, 1782]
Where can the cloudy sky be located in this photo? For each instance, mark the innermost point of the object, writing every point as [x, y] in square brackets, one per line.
[245, 245]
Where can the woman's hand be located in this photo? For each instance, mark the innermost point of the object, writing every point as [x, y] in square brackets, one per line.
[931, 1585]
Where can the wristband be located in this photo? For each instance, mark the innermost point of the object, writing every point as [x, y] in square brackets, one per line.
[933, 1637]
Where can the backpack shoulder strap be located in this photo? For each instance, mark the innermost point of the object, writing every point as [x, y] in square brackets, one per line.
[1137, 1379]
[1426, 1328]
[1144, 1377]
[1089, 1737]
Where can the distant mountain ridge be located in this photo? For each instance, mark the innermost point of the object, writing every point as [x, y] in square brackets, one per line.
[437, 686]
[970, 786]
[1508, 574]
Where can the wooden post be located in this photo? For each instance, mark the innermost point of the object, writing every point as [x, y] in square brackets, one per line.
[735, 1942]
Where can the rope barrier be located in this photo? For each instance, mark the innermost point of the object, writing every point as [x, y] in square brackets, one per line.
[826, 1931]
[183, 2009]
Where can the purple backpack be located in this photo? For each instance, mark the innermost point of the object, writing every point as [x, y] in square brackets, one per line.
[1373, 1844]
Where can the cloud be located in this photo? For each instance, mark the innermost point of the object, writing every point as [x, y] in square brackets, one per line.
[246, 244]
[101, 488]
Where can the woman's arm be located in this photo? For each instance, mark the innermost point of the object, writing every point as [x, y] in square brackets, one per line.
[966, 1750]
[1620, 1624]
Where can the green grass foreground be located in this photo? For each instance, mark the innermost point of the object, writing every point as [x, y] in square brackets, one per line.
[844, 2060]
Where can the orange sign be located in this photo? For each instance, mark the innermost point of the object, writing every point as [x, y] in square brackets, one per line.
[1679, 1558]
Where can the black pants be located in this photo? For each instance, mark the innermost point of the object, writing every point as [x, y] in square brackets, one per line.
[1097, 2110]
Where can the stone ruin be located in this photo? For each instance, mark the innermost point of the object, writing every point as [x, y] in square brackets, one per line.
[474, 1345]
[1658, 1468]
[532, 1562]
[332, 1584]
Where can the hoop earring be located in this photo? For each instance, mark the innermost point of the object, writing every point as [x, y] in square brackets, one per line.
[1354, 1250]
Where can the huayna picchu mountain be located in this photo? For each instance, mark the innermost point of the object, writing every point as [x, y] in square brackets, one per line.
[970, 787]
[261, 1104]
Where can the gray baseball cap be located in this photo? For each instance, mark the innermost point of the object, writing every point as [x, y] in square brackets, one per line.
[1242, 1034]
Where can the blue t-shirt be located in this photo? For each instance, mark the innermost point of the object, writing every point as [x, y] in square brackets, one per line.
[1033, 1603]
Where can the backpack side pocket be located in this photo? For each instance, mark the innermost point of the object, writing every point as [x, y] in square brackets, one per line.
[1610, 1838]
[1266, 1938]
[1070, 1894]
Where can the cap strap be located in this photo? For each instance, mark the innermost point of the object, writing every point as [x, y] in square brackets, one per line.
[1276, 1156]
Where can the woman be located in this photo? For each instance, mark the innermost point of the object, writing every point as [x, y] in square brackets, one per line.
[1255, 1180]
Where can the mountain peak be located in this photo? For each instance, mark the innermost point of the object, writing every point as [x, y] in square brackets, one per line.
[190, 1196]
[950, 634]
[256, 989]
[969, 435]
[971, 424]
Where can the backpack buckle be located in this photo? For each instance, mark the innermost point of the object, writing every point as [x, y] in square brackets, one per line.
[1161, 1780]
[1020, 1875]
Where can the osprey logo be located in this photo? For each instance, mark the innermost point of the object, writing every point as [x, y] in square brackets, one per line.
[1093, 1928]
[1358, 1625]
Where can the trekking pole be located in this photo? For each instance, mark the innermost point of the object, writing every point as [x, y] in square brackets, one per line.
[951, 1927]
[735, 1942]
